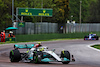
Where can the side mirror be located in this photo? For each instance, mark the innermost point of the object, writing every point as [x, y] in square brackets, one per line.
[53, 50]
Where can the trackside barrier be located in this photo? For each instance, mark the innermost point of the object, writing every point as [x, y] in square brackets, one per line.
[46, 27]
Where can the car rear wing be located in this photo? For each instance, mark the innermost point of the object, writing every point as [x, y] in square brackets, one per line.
[24, 46]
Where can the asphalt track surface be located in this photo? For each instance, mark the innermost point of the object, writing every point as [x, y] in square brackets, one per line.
[84, 55]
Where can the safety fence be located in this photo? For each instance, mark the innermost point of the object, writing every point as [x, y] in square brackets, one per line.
[45, 27]
[38, 28]
[87, 27]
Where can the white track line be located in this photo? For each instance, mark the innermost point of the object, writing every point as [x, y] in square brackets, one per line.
[89, 46]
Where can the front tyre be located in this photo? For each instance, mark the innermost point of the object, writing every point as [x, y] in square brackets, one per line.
[65, 54]
[15, 56]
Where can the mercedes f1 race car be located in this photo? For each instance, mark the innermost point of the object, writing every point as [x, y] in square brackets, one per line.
[37, 53]
[91, 37]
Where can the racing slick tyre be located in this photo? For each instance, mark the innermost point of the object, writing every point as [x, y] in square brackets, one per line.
[15, 56]
[97, 38]
[65, 54]
[86, 37]
[37, 56]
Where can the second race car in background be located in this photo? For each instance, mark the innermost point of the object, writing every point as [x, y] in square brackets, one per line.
[91, 37]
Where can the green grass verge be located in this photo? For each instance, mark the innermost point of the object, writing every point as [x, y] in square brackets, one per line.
[49, 37]
[96, 46]
[39, 37]
[7, 42]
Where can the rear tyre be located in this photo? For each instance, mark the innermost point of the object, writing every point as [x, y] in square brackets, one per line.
[15, 56]
[86, 37]
[97, 38]
[65, 54]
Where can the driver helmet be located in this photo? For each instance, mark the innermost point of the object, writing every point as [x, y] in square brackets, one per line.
[39, 43]
[91, 32]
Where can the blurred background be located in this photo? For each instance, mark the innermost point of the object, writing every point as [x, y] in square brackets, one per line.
[68, 16]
